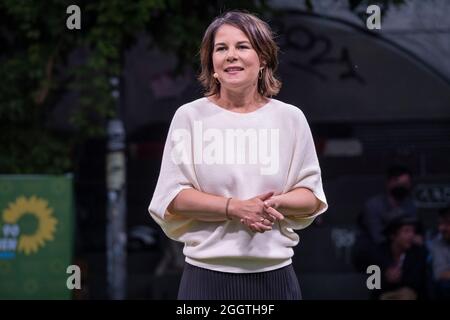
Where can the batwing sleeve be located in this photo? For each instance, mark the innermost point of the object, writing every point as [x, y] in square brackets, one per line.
[305, 172]
[176, 174]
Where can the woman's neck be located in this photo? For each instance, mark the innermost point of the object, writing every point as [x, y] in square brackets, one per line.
[240, 101]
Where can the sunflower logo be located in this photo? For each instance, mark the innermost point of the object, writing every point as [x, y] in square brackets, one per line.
[46, 223]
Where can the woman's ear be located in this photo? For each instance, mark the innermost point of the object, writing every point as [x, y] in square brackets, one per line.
[263, 64]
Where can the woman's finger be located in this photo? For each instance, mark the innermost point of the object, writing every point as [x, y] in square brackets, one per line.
[264, 196]
[268, 217]
[271, 203]
[266, 227]
[274, 213]
[269, 221]
[262, 226]
[255, 228]
[250, 225]
[268, 203]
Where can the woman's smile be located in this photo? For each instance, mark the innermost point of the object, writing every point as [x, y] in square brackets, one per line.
[233, 70]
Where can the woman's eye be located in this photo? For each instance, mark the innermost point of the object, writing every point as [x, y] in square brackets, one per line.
[220, 49]
[243, 47]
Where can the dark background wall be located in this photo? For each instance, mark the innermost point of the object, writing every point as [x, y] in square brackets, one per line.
[369, 103]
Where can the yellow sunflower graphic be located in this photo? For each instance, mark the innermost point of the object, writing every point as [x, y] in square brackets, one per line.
[46, 226]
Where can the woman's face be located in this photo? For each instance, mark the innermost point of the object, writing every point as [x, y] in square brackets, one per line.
[234, 59]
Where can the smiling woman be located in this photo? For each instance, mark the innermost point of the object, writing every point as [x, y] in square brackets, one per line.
[239, 42]
[239, 172]
[234, 59]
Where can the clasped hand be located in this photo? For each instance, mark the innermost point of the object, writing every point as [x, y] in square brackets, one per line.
[258, 213]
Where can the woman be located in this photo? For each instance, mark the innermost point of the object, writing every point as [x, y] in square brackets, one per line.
[239, 172]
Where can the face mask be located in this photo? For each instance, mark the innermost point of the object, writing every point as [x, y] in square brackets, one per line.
[400, 192]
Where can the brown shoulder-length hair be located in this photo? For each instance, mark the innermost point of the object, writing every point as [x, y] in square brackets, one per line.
[262, 40]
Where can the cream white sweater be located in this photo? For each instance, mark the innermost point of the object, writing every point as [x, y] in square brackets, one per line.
[238, 155]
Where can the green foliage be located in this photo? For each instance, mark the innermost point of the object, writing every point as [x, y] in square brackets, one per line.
[33, 35]
[30, 150]
[35, 75]
[36, 46]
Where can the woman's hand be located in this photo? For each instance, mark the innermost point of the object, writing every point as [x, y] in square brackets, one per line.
[253, 214]
[270, 207]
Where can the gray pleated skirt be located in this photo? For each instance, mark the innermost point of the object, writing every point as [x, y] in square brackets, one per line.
[204, 284]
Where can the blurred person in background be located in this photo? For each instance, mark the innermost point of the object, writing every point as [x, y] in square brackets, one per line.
[379, 210]
[403, 263]
[440, 256]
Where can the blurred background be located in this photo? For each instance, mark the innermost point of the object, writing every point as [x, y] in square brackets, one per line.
[85, 110]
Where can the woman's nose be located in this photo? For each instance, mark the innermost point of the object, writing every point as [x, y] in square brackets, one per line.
[231, 55]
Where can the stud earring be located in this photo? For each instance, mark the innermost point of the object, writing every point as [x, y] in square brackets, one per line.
[216, 76]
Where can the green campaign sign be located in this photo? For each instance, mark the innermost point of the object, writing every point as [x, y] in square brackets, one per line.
[36, 236]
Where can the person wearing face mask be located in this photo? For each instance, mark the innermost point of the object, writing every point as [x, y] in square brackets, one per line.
[395, 201]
